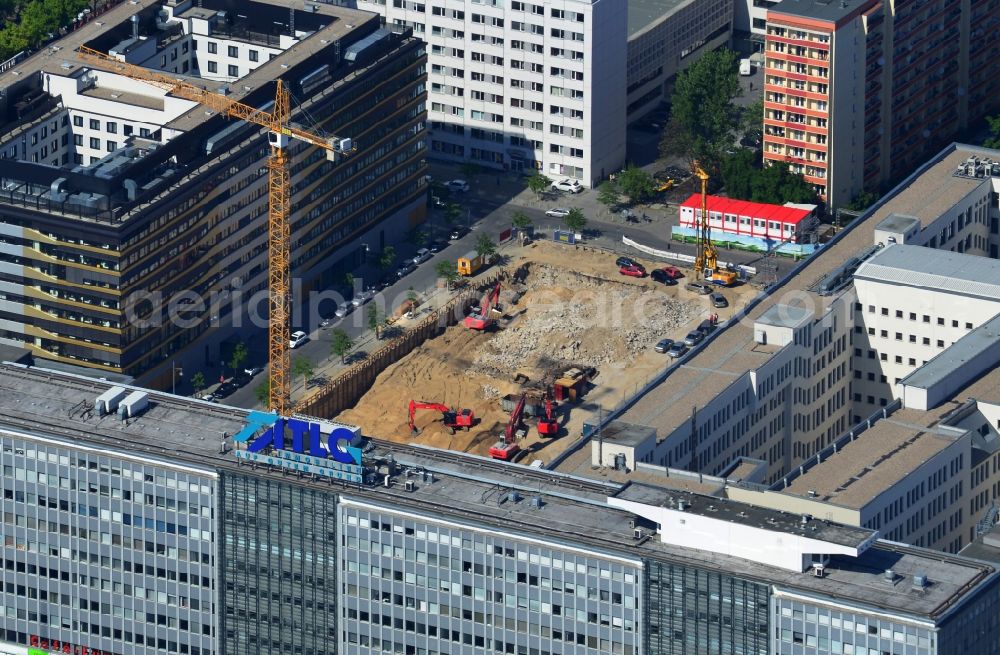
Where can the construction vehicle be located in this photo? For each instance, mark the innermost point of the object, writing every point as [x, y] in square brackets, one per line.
[469, 263]
[506, 449]
[548, 426]
[281, 131]
[451, 418]
[707, 258]
[482, 316]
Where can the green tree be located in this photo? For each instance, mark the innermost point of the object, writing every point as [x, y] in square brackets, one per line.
[575, 220]
[340, 344]
[776, 184]
[994, 139]
[376, 318]
[452, 213]
[702, 104]
[349, 279]
[636, 183]
[386, 258]
[539, 183]
[738, 174]
[263, 393]
[863, 201]
[608, 194]
[752, 117]
[302, 366]
[447, 270]
[676, 141]
[198, 382]
[485, 247]
[238, 357]
[520, 220]
[419, 238]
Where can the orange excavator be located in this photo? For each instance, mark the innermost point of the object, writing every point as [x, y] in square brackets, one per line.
[482, 317]
[451, 418]
[507, 448]
[548, 426]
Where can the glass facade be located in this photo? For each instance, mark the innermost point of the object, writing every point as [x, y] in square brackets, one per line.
[105, 552]
[278, 567]
[416, 586]
[694, 612]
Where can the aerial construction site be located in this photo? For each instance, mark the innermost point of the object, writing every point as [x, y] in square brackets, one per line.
[568, 336]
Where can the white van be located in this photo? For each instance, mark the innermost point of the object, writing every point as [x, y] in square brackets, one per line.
[745, 67]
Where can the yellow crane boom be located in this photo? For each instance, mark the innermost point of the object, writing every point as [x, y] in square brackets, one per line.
[279, 198]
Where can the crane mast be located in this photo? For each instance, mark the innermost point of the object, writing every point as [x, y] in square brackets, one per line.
[706, 256]
[279, 198]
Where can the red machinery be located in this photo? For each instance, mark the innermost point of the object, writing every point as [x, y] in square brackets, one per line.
[548, 426]
[451, 418]
[484, 318]
[507, 447]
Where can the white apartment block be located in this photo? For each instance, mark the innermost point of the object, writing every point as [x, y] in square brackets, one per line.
[912, 305]
[523, 84]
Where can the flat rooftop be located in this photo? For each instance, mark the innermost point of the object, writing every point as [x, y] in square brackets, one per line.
[644, 14]
[731, 351]
[825, 10]
[47, 405]
[971, 349]
[581, 465]
[950, 272]
[877, 459]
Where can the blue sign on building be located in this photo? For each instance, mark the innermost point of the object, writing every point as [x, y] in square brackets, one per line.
[299, 445]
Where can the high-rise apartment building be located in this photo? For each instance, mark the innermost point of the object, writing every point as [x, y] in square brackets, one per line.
[524, 84]
[394, 548]
[858, 93]
[118, 196]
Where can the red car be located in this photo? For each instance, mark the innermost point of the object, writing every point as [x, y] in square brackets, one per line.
[673, 271]
[633, 271]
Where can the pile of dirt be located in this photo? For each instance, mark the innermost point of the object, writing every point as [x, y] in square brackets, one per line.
[567, 318]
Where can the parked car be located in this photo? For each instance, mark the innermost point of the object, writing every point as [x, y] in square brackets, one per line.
[568, 185]
[693, 338]
[557, 212]
[344, 309]
[457, 185]
[663, 345]
[661, 276]
[699, 287]
[406, 269]
[673, 272]
[677, 350]
[225, 390]
[209, 398]
[422, 255]
[437, 247]
[251, 371]
[297, 339]
[625, 261]
[718, 300]
[361, 297]
[457, 233]
[633, 271]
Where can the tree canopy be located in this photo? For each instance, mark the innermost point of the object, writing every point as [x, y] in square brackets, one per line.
[774, 184]
[994, 140]
[635, 183]
[32, 25]
[575, 220]
[703, 112]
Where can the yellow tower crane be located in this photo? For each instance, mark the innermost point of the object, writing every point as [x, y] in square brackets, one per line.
[279, 198]
[707, 258]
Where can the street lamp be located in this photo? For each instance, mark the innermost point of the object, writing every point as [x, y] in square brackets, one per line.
[174, 372]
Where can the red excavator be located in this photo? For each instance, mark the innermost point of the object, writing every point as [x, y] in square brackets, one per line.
[507, 448]
[548, 426]
[451, 418]
[482, 317]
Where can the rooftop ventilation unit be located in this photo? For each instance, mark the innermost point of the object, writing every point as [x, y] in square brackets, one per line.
[819, 569]
[537, 502]
[108, 401]
[410, 485]
[133, 404]
[920, 581]
[890, 576]
[513, 497]
[681, 505]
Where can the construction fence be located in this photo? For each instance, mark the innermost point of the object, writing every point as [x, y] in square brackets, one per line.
[345, 390]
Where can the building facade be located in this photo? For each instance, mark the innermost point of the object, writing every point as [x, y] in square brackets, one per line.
[857, 95]
[131, 196]
[523, 85]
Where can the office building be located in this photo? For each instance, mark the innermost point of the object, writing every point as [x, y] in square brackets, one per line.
[119, 195]
[664, 38]
[416, 550]
[837, 382]
[750, 20]
[522, 85]
[857, 94]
